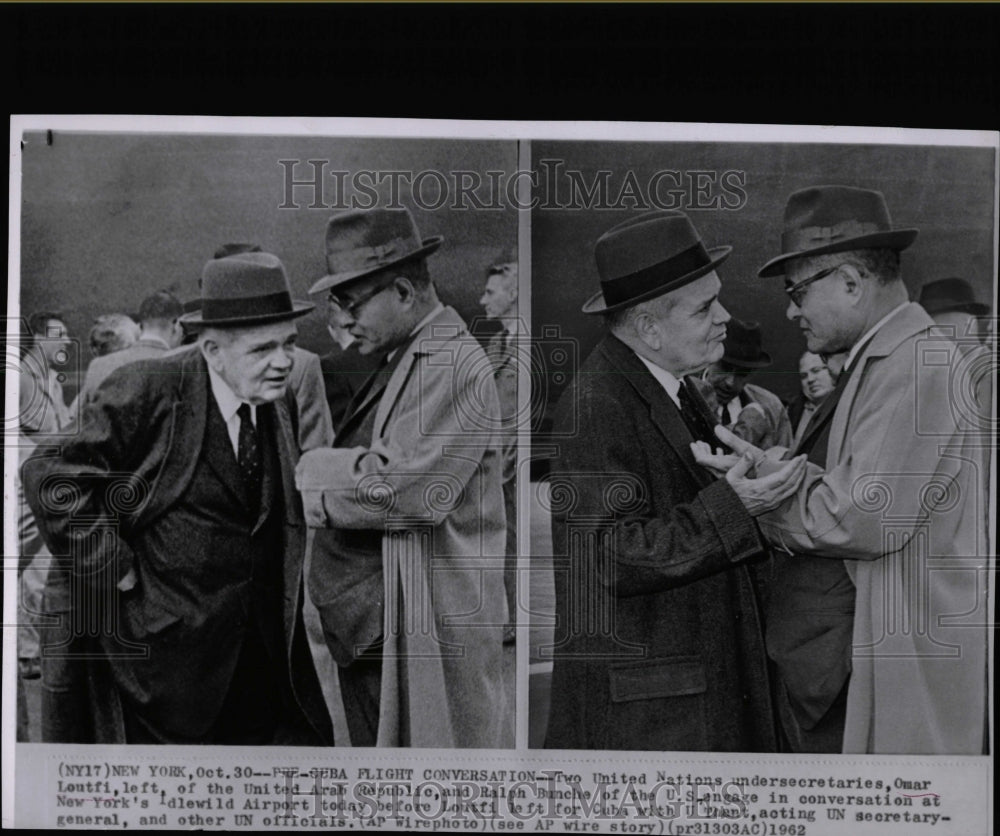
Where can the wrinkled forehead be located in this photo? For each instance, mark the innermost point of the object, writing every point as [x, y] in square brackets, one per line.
[695, 294]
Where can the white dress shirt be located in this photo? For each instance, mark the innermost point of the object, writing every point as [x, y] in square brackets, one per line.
[229, 403]
[671, 385]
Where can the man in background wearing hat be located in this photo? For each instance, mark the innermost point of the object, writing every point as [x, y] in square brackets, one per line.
[953, 307]
[499, 301]
[409, 583]
[658, 637]
[753, 413]
[175, 505]
[891, 498]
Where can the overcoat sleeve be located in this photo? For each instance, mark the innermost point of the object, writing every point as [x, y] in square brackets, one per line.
[884, 461]
[642, 547]
[99, 481]
[419, 469]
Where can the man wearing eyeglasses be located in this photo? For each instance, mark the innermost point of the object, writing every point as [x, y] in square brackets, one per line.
[887, 521]
[407, 568]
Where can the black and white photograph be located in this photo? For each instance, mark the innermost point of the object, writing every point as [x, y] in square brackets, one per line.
[416, 475]
[266, 467]
[763, 480]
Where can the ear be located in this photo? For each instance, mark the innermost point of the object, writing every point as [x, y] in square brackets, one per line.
[647, 329]
[854, 285]
[404, 289]
[210, 351]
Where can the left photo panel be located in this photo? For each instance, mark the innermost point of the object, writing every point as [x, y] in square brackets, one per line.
[261, 426]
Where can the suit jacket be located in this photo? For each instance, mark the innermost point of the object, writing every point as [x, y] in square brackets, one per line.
[658, 643]
[901, 501]
[344, 372]
[132, 460]
[431, 482]
[101, 367]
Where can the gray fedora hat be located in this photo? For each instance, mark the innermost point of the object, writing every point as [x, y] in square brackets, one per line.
[647, 256]
[249, 288]
[832, 219]
[360, 242]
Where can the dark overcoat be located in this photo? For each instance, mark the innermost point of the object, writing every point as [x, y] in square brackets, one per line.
[132, 460]
[658, 640]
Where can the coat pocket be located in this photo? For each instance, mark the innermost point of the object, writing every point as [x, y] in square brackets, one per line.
[657, 704]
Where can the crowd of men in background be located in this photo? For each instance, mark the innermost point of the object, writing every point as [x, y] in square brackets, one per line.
[290, 518]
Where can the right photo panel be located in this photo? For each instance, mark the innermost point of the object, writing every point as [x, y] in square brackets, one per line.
[761, 450]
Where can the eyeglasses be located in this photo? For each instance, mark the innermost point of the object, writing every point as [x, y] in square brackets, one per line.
[352, 307]
[796, 291]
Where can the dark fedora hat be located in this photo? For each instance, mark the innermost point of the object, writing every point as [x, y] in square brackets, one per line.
[951, 295]
[249, 288]
[360, 242]
[743, 346]
[831, 219]
[647, 256]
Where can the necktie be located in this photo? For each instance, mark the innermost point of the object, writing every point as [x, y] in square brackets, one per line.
[248, 455]
[698, 423]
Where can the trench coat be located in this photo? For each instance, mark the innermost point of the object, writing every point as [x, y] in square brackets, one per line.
[658, 642]
[431, 482]
[902, 501]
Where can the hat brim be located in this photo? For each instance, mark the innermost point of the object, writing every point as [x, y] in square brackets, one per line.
[427, 246]
[973, 308]
[596, 305]
[195, 320]
[898, 239]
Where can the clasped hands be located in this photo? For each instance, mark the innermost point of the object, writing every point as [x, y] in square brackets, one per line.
[759, 494]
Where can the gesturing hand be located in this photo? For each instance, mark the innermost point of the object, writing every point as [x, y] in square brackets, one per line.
[766, 492]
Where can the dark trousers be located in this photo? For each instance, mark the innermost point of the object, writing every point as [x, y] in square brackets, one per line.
[360, 687]
[254, 707]
[826, 737]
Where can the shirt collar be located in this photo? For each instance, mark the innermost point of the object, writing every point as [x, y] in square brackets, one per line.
[670, 383]
[152, 339]
[860, 344]
[226, 398]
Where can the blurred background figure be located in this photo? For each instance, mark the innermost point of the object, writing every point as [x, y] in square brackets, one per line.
[499, 301]
[953, 307]
[44, 416]
[752, 412]
[817, 381]
[158, 332]
[112, 332]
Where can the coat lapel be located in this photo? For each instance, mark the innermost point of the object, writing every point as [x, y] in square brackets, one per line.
[909, 321]
[447, 325]
[663, 412]
[184, 436]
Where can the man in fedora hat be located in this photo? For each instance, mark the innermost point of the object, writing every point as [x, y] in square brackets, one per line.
[892, 496]
[175, 509]
[409, 577]
[657, 642]
[752, 412]
[953, 306]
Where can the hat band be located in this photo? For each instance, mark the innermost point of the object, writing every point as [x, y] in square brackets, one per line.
[810, 237]
[368, 258]
[656, 276]
[247, 307]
